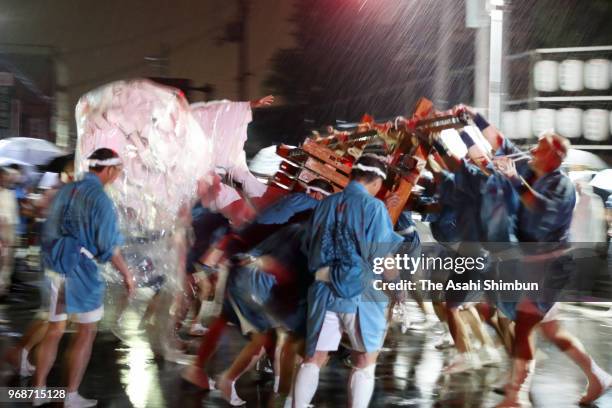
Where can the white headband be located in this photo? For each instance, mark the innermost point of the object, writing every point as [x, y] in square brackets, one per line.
[381, 157]
[113, 161]
[318, 190]
[370, 169]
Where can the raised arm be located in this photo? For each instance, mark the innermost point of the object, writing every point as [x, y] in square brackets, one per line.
[490, 132]
[534, 201]
[262, 102]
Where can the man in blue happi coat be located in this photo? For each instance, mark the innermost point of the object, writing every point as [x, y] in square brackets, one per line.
[346, 232]
[547, 200]
[81, 229]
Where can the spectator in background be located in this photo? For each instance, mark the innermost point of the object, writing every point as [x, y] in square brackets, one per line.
[9, 218]
[19, 187]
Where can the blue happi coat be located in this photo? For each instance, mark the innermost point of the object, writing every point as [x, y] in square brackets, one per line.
[345, 233]
[81, 216]
[548, 222]
[493, 201]
[555, 199]
[282, 210]
[268, 299]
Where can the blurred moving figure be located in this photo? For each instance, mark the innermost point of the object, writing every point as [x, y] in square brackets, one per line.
[232, 250]
[9, 219]
[19, 356]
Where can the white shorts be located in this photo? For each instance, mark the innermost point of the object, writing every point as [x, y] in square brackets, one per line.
[245, 326]
[57, 303]
[334, 325]
[552, 314]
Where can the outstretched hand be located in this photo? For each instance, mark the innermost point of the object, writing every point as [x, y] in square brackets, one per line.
[457, 109]
[506, 166]
[265, 101]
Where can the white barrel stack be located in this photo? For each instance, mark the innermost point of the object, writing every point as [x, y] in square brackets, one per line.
[578, 107]
[596, 125]
[597, 74]
[543, 120]
[545, 76]
[568, 122]
[508, 125]
[571, 75]
[523, 124]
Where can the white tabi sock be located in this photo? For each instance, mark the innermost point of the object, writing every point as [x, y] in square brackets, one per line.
[601, 375]
[306, 383]
[361, 386]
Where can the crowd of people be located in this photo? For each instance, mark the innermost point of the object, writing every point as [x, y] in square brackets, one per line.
[296, 274]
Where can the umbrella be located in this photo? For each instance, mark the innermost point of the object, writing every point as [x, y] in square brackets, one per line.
[29, 150]
[5, 161]
[581, 158]
[603, 180]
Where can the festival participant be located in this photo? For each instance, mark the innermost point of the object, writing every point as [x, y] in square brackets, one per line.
[346, 232]
[208, 227]
[267, 292]
[463, 192]
[81, 226]
[291, 208]
[547, 200]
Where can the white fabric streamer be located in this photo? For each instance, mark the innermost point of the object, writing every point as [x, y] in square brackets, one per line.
[162, 147]
[225, 124]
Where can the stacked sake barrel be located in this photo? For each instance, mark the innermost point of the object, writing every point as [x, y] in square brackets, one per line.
[570, 77]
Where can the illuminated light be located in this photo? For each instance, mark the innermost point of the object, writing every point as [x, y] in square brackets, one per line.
[568, 122]
[523, 124]
[542, 120]
[571, 75]
[596, 125]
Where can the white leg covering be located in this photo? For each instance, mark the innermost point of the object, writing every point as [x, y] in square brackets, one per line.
[306, 383]
[599, 372]
[361, 386]
[25, 368]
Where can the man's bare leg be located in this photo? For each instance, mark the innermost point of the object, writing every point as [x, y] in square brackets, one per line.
[47, 352]
[247, 358]
[517, 390]
[598, 379]
[79, 354]
[458, 330]
[195, 373]
[30, 339]
[291, 350]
